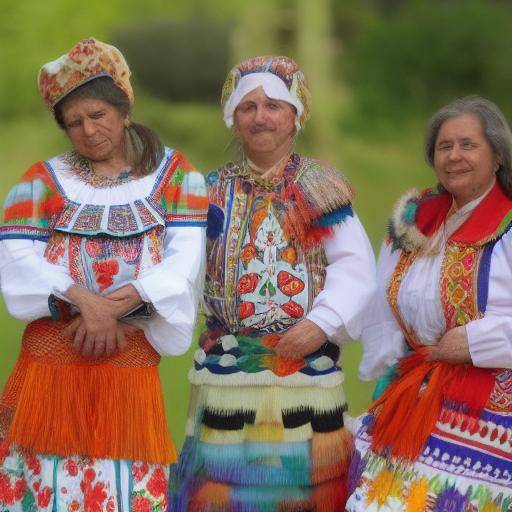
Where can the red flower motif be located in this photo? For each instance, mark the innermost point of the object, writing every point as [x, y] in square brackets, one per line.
[44, 497]
[89, 475]
[141, 504]
[247, 283]
[245, 310]
[93, 248]
[111, 506]
[94, 496]
[6, 492]
[157, 484]
[71, 467]
[293, 309]
[4, 451]
[20, 488]
[247, 254]
[33, 463]
[289, 284]
[37, 485]
[140, 471]
[74, 506]
[105, 270]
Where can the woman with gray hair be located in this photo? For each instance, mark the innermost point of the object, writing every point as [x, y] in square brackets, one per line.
[439, 435]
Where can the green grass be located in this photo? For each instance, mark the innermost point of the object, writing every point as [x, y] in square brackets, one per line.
[380, 162]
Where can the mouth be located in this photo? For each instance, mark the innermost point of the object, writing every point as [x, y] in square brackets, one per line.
[457, 172]
[93, 145]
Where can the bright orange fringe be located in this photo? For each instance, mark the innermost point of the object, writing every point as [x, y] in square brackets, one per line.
[101, 409]
[407, 411]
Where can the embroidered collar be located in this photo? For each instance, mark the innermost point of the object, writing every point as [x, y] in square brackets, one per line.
[81, 168]
[417, 216]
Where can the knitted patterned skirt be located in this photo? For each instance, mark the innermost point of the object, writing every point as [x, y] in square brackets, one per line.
[263, 433]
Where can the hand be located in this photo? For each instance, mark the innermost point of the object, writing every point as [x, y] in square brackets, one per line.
[453, 347]
[96, 331]
[76, 329]
[302, 339]
[126, 299]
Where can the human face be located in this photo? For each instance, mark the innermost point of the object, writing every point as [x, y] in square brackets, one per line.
[265, 126]
[464, 160]
[95, 128]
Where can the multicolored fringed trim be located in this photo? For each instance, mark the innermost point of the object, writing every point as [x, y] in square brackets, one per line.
[418, 215]
[313, 198]
[263, 448]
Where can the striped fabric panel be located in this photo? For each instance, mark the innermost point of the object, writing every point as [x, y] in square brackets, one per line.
[30, 205]
[184, 196]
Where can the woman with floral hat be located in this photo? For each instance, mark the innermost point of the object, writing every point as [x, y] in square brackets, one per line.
[289, 273]
[101, 252]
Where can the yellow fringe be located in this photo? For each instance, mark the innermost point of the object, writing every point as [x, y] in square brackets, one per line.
[98, 410]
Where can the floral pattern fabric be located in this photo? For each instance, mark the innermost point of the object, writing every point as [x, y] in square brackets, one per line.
[30, 482]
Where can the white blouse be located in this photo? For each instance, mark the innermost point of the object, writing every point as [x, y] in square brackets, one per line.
[419, 302]
[340, 308]
[173, 286]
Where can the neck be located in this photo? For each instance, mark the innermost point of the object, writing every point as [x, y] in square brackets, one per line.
[265, 161]
[461, 201]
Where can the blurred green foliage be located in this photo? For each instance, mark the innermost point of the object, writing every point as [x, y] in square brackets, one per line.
[164, 57]
[425, 53]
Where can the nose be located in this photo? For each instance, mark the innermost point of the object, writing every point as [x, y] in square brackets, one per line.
[89, 127]
[259, 116]
[454, 153]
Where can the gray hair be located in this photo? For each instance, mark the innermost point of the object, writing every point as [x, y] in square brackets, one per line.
[494, 125]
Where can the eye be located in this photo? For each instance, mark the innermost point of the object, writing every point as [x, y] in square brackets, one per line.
[273, 106]
[97, 115]
[445, 146]
[468, 145]
[245, 107]
[75, 123]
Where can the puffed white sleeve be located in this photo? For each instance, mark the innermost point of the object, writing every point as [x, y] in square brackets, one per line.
[339, 309]
[490, 337]
[383, 340]
[174, 287]
[27, 279]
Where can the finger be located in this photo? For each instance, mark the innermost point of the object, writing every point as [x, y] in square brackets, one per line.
[121, 339]
[79, 338]
[99, 347]
[111, 343]
[88, 345]
[71, 327]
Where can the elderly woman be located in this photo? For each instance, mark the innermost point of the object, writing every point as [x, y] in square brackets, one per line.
[109, 233]
[289, 272]
[440, 436]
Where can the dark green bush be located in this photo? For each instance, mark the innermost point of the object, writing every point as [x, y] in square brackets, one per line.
[428, 53]
[178, 61]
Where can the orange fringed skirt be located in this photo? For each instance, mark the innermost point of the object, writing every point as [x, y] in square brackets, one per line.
[59, 403]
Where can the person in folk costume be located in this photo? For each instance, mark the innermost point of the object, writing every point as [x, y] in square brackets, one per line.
[102, 250]
[439, 436]
[289, 274]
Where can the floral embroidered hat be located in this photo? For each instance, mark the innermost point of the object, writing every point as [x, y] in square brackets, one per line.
[280, 78]
[87, 60]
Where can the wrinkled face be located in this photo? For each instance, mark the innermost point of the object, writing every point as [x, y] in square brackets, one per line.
[95, 128]
[264, 125]
[464, 160]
